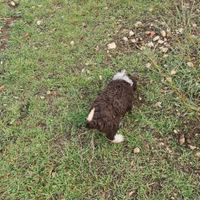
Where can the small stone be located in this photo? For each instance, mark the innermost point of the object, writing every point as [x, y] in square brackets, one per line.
[48, 92]
[189, 64]
[136, 150]
[148, 65]
[198, 153]
[166, 44]
[106, 8]
[138, 24]
[147, 32]
[156, 38]
[165, 55]
[12, 3]
[112, 45]
[38, 22]
[165, 39]
[100, 77]
[125, 38]
[42, 97]
[173, 72]
[175, 131]
[182, 139]
[72, 43]
[180, 30]
[131, 33]
[163, 33]
[160, 41]
[150, 44]
[133, 40]
[192, 147]
[163, 49]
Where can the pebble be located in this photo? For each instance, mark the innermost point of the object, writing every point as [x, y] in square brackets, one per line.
[136, 150]
[148, 65]
[125, 38]
[150, 44]
[112, 45]
[38, 22]
[156, 38]
[72, 43]
[131, 33]
[180, 30]
[133, 40]
[163, 49]
[12, 3]
[160, 41]
[173, 73]
[163, 33]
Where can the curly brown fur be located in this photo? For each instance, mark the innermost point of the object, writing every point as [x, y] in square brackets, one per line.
[108, 108]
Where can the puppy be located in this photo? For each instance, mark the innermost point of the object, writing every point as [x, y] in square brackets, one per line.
[108, 108]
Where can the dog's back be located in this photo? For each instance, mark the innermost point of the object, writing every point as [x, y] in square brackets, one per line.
[109, 107]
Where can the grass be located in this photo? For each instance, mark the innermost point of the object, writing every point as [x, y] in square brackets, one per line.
[46, 152]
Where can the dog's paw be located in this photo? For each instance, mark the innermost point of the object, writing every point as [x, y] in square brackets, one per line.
[118, 138]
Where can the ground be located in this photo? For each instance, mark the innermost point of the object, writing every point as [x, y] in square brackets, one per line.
[52, 54]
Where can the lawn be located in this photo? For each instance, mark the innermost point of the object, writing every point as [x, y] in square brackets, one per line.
[52, 54]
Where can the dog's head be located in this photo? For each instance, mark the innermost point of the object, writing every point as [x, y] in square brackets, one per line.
[126, 77]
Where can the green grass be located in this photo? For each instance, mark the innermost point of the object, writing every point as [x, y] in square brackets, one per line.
[46, 152]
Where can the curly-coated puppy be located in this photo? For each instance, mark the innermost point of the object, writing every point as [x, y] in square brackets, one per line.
[108, 108]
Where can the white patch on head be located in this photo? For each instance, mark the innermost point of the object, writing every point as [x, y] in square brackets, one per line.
[118, 138]
[90, 115]
[122, 76]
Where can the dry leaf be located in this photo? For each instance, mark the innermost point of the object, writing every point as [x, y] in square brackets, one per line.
[192, 147]
[198, 153]
[132, 163]
[130, 193]
[2, 87]
[158, 104]
[182, 139]
[138, 24]
[107, 63]
[97, 48]
[152, 33]
[169, 150]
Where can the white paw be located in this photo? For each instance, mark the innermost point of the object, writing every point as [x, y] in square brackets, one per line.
[118, 138]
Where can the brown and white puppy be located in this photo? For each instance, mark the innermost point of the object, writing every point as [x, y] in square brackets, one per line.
[108, 108]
